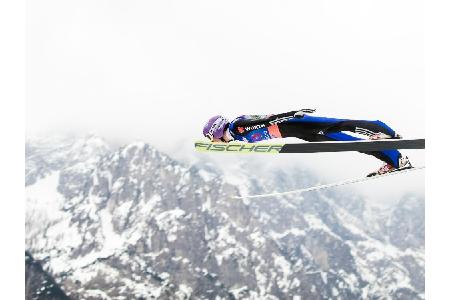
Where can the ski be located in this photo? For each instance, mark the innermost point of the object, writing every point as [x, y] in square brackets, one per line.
[330, 185]
[311, 147]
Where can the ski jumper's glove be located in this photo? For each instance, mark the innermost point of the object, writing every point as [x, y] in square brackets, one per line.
[301, 113]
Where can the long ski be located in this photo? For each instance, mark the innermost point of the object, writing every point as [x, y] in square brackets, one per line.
[330, 185]
[309, 147]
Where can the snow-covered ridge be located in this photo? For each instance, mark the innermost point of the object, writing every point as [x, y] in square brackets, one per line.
[132, 222]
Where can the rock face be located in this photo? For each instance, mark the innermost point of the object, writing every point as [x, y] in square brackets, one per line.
[39, 284]
[133, 223]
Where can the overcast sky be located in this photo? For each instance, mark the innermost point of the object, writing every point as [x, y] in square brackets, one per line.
[156, 70]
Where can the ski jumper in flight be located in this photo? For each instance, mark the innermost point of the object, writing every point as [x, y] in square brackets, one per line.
[299, 124]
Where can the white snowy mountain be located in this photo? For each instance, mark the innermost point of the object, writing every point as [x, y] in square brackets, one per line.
[133, 223]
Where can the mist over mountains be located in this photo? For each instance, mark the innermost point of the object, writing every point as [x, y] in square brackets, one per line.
[134, 223]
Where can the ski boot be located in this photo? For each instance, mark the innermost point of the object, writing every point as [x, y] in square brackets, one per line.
[403, 163]
[383, 136]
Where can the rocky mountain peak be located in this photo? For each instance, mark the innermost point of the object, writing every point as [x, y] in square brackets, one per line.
[135, 223]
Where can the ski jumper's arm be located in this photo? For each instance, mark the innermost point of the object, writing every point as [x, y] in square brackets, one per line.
[251, 120]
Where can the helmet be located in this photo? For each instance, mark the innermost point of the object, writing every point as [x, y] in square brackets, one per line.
[215, 127]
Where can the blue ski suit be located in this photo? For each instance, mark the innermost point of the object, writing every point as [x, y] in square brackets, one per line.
[255, 128]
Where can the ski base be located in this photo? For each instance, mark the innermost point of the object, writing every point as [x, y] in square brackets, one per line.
[330, 185]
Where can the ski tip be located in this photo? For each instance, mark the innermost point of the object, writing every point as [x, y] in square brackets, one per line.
[238, 147]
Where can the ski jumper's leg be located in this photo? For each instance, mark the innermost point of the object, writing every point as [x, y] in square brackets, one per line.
[362, 127]
[319, 129]
[317, 124]
[389, 156]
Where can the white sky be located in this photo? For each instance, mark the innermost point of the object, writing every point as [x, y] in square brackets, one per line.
[156, 70]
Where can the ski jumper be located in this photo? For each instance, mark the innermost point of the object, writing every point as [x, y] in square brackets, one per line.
[255, 128]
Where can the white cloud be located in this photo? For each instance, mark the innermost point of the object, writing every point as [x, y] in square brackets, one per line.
[156, 70]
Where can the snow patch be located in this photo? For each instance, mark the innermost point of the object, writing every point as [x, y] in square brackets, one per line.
[43, 196]
[168, 222]
[285, 268]
[184, 291]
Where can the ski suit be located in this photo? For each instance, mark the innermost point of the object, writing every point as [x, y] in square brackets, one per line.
[255, 128]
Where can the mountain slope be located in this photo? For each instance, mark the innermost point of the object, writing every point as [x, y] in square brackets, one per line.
[134, 223]
[38, 283]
